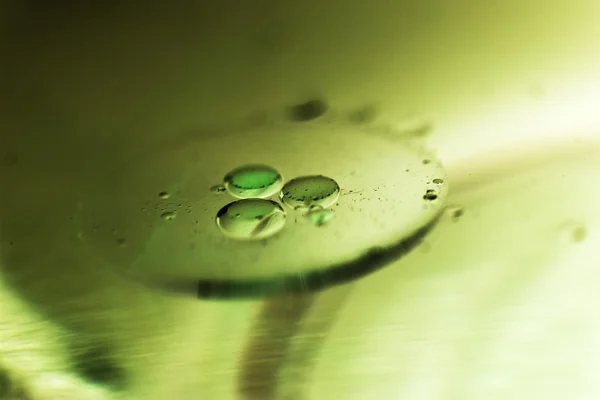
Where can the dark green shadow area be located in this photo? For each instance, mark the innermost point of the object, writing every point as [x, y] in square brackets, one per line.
[313, 280]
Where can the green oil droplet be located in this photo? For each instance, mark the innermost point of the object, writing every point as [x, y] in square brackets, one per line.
[253, 181]
[251, 219]
[310, 191]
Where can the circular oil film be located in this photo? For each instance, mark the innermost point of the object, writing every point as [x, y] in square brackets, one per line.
[157, 218]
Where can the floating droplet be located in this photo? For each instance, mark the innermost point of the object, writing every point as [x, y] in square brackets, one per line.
[319, 216]
[164, 195]
[430, 195]
[310, 191]
[308, 111]
[438, 181]
[168, 215]
[253, 181]
[251, 219]
[218, 189]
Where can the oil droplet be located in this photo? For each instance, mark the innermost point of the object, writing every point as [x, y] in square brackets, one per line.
[164, 195]
[438, 181]
[168, 215]
[308, 111]
[310, 191]
[430, 195]
[253, 181]
[319, 216]
[218, 189]
[251, 219]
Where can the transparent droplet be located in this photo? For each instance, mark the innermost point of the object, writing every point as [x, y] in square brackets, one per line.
[319, 216]
[251, 219]
[310, 191]
[168, 215]
[218, 189]
[430, 195]
[253, 181]
[164, 195]
[438, 181]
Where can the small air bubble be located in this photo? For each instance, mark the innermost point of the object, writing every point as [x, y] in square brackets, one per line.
[164, 195]
[430, 195]
[168, 215]
[319, 216]
[438, 181]
[218, 189]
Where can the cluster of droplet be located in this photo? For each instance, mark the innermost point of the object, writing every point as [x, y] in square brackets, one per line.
[432, 194]
[254, 216]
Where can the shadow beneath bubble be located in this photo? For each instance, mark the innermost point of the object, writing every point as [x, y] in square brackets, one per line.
[313, 280]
